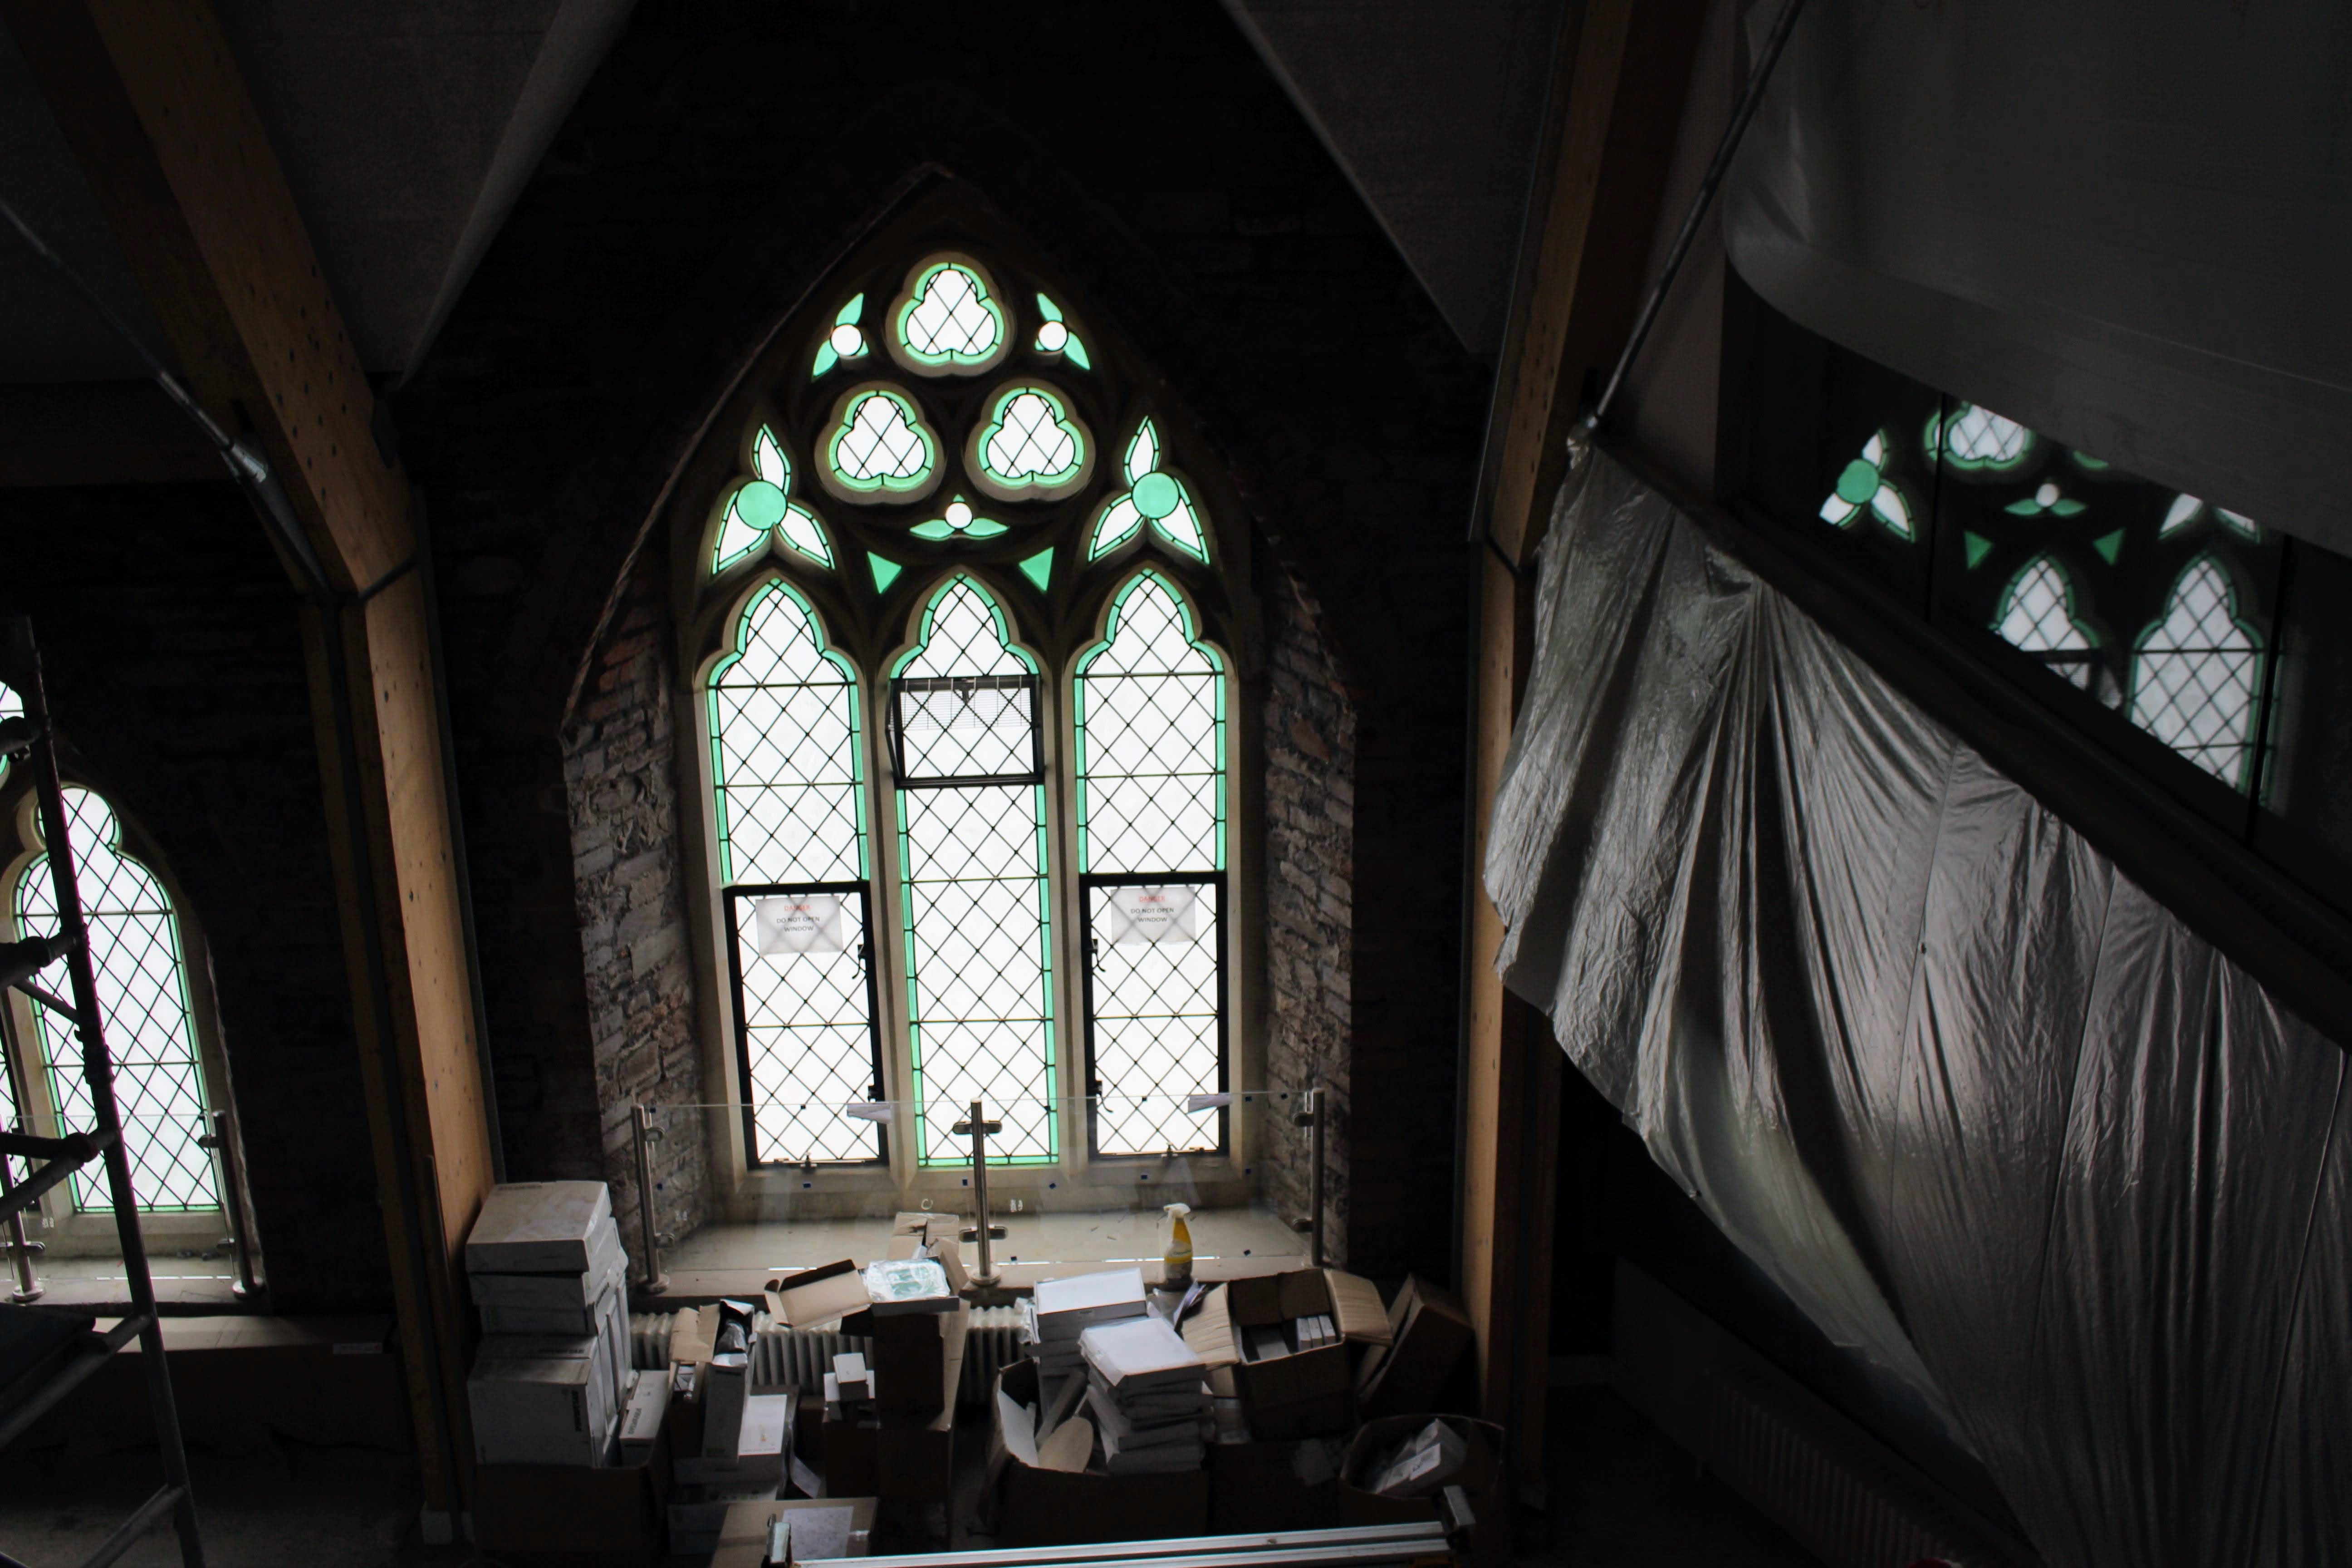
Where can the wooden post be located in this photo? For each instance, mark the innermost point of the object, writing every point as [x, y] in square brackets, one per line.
[1625, 65]
[152, 102]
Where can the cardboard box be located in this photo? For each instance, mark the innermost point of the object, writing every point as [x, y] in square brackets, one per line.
[761, 1437]
[914, 1454]
[1040, 1507]
[851, 1467]
[913, 1231]
[1257, 1487]
[569, 1513]
[726, 1391]
[543, 1401]
[743, 1535]
[1297, 1394]
[646, 1416]
[538, 1227]
[815, 1297]
[1430, 1330]
[909, 1358]
[697, 1514]
[556, 1289]
[1482, 1478]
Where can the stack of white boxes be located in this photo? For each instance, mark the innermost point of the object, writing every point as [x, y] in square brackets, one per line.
[547, 1271]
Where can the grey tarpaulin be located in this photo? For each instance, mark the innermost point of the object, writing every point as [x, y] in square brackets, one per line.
[2123, 224]
[1975, 1102]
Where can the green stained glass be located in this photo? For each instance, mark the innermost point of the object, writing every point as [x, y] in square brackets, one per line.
[1155, 497]
[1054, 336]
[885, 572]
[847, 341]
[1031, 442]
[1977, 547]
[2046, 496]
[13, 707]
[1863, 491]
[761, 510]
[1039, 569]
[1978, 441]
[958, 522]
[881, 447]
[948, 322]
[2110, 545]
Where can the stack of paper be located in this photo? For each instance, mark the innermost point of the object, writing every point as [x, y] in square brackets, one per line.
[545, 1266]
[1061, 1309]
[1149, 1396]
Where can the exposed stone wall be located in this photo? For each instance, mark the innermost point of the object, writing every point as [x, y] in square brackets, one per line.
[620, 771]
[1310, 820]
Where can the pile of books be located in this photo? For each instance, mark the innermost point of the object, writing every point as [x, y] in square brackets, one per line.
[1149, 1396]
[1061, 1309]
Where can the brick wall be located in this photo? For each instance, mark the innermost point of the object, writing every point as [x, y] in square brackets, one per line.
[619, 770]
[1310, 817]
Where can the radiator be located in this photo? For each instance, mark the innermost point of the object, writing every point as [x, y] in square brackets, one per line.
[798, 1358]
[1826, 1487]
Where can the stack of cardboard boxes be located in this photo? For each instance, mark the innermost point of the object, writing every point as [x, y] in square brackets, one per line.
[1293, 1363]
[547, 1273]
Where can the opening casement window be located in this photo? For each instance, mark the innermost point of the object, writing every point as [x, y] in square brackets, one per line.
[964, 619]
[155, 1000]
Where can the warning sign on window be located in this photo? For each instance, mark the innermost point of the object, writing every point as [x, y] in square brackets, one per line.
[1153, 914]
[804, 922]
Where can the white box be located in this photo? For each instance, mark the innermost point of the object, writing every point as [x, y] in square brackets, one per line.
[538, 1228]
[725, 1388]
[607, 1266]
[643, 1416]
[543, 1401]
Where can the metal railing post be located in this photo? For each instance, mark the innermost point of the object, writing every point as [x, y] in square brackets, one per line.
[21, 1248]
[647, 1135]
[1315, 1122]
[240, 1243]
[980, 1128]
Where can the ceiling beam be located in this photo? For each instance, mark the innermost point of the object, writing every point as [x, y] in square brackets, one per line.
[1626, 64]
[152, 102]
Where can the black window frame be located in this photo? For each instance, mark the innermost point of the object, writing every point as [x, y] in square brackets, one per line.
[729, 897]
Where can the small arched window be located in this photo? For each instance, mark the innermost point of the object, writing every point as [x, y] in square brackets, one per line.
[997, 629]
[135, 948]
[2037, 617]
[2196, 672]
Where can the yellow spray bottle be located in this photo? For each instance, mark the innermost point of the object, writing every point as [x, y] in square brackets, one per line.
[1176, 1262]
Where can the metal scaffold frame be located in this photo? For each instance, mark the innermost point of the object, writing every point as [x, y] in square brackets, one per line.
[34, 1393]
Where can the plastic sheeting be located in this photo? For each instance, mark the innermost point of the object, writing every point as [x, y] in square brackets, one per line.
[1977, 1103]
[2123, 224]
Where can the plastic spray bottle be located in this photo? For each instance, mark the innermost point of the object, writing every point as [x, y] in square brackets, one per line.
[1176, 1261]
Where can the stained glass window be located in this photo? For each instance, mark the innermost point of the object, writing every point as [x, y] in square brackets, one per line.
[761, 510]
[1056, 337]
[1863, 491]
[1150, 717]
[788, 760]
[2195, 674]
[948, 321]
[1154, 497]
[2037, 615]
[881, 448]
[11, 707]
[2187, 511]
[844, 341]
[1978, 441]
[143, 995]
[1029, 443]
[974, 907]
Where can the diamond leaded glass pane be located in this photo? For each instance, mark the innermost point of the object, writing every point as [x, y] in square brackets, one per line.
[142, 997]
[1150, 722]
[804, 1004]
[951, 318]
[784, 750]
[2194, 673]
[979, 971]
[2037, 615]
[1155, 1014]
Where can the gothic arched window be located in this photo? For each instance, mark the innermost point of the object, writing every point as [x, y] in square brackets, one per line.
[998, 626]
[135, 947]
[2196, 672]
